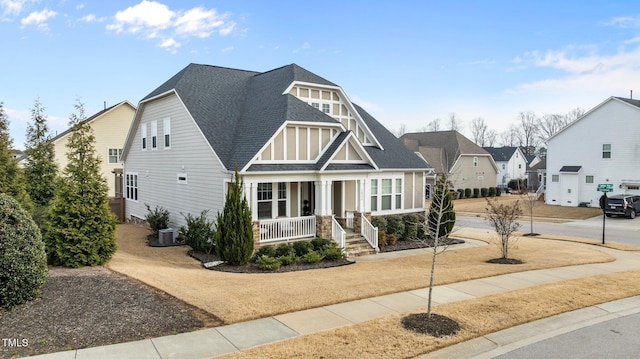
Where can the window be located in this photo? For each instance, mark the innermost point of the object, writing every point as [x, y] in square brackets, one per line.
[282, 199]
[398, 193]
[633, 187]
[519, 166]
[326, 108]
[606, 150]
[504, 167]
[588, 179]
[315, 105]
[131, 186]
[374, 195]
[387, 189]
[475, 162]
[265, 196]
[182, 177]
[555, 178]
[154, 135]
[143, 133]
[167, 133]
[114, 155]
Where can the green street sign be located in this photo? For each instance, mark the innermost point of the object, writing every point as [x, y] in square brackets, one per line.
[605, 187]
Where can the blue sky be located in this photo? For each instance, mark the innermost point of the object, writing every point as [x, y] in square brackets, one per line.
[406, 62]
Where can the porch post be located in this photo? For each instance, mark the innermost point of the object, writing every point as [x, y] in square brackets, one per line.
[252, 198]
[323, 209]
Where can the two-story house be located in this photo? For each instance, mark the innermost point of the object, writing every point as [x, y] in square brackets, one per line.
[312, 162]
[511, 162]
[465, 164]
[601, 147]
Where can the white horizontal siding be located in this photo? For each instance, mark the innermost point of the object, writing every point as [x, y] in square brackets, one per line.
[157, 169]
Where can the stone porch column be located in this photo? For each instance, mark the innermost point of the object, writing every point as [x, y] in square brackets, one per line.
[323, 226]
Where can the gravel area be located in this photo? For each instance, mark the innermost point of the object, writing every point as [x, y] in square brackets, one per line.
[93, 306]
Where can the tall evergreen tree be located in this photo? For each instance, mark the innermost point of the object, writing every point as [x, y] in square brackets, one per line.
[40, 168]
[442, 217]
[234, 232]
[80, 228]
[12, 180]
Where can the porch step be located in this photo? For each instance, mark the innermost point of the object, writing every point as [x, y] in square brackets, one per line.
[356, 245]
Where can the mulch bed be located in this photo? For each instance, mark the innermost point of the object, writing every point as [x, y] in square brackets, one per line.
[505, 261]
[93, 306]
[437, 326]
[252, 268]
[405, 244]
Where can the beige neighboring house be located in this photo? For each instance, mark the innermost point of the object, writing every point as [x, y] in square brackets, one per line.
[449, 152]
[110, 127]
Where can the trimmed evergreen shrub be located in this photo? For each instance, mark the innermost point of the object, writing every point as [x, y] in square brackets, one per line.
[498, 191]
[484, 192]
[302, 247]
[288, 259]
[320, 243]
[283, 249]
[476, 193]
[199, 233]
[23, 261]
[395, 226]
[492, 191]
[157, 219]
[267, 263]
[410, 226]
[234, 235]
[312, 257]
[332, 253]
[379, 222]
[467, 193]
[461, 193]
[265, 251]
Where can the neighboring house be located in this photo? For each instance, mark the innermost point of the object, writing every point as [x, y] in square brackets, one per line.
[110, 127]
[532, 160]
[307, 154]
[466, 164]
[537, 175]
[511, 162]
[600, 147]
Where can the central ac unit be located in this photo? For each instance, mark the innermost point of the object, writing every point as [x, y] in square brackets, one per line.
[167, 236]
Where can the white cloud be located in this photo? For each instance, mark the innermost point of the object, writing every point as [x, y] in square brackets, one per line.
[625, 22]
[304, 46]
[39, 19]
[154, 20]
[12, 7]
[91, 18]
[227, 49]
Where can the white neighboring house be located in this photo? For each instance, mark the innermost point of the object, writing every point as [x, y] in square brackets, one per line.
[603, 146]
[511, 162]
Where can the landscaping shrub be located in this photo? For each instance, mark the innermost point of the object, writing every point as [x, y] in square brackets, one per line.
[332, 253]
[267, 263]
[492, 191]
[23, 261]
[234, 235]
[265, 251]
[199, 232]
[157, 219]
[461, 193]
[283, 249]
[484, 192]
[498, 191]
[302, 247]
[395, 225]
[392, 239]
[476, 193]
[320, 243]
[312, 257]
[410, 226]
[442, 216]
[467, 193]
[288, 259]
[379, 222]
[382, 238]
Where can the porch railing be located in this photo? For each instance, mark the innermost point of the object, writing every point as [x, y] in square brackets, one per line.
[540, 191]
[338, 234]
[281, 229]
[369, 232]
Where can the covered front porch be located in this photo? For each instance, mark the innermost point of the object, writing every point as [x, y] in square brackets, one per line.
[328, 208]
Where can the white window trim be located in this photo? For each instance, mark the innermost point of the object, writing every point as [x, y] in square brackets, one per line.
[555, 176]
[154, 135]
[133, 187]
[475, 161]
[166, 124]
[118, 155]
[181, 177]
[393, 195]
[144, 144]
[602, 151]
[590, 183]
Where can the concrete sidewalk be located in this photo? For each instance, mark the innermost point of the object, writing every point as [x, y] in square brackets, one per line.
[235, 337]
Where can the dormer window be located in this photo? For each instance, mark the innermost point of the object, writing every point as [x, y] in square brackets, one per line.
[326, 108]
[315, 105]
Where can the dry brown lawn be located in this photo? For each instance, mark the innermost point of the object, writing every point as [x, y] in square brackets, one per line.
[385, 337]
[236, 297]
[540, 209]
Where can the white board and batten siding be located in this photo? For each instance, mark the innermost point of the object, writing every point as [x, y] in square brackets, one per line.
[158, 169]
[613, 122]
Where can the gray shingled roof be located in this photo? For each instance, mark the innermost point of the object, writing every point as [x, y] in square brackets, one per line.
[570, 169]
[501, 153]
[633, 102]
[252, 105]
[441, 148]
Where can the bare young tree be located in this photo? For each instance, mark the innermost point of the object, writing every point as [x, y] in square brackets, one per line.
[490, 138]
[434, 125]
[549, 125]
[504, 219]
[400, 131]
[454, 123]
[573, 115]
[509, 137]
